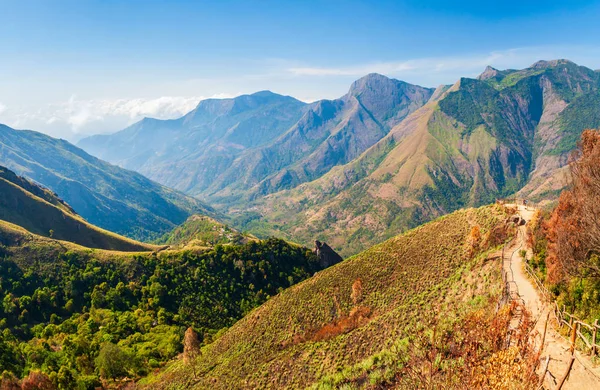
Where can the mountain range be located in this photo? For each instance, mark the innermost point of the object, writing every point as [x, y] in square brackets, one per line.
[122, 201]
[383, 158]
[421, 307]
[276, 141]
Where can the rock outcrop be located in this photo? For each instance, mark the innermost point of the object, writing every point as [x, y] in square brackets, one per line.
[327, 256]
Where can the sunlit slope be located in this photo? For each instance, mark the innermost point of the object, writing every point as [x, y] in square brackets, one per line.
[200, 230]
[473, 142]
[40, 211]
[354, 310]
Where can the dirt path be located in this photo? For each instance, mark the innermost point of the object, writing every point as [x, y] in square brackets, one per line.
[583, 376]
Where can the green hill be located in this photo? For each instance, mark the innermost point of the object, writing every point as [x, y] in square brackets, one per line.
[199, 230]
[365, 322]
[107, 196]
[41, 212]
[78, 315]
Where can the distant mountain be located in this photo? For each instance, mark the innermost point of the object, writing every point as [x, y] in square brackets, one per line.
[256, 144]
[331, 132]
[190, 152]
[480, 139]
[113, 198]
[40, 211]
[388, 155]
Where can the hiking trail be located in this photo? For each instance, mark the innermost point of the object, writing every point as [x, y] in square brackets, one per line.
[583, 375]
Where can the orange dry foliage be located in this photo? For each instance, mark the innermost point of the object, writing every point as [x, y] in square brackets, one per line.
[356, 291]
[479, 344]
[474, 240]
[574, 226]
[357, 317]
[36, 380]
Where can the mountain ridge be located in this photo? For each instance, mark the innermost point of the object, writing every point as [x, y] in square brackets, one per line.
[113, 198]
[41, 212]
[322, 135]
[477, 141]
[379, 159]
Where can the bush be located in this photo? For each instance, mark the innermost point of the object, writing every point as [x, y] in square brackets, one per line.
[113, 362]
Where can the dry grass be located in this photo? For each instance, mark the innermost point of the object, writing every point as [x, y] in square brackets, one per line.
[318, 328]
[39, 216]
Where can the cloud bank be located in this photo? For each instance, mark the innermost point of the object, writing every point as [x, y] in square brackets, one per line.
[75, 118]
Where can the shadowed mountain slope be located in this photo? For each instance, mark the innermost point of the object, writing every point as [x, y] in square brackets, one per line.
[113, 198]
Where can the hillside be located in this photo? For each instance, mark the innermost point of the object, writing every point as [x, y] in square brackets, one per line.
[199, 230]
[479, 140]
[385, 157]
[41, 212]
[278, 142]
[76, 317]
[110, 197]
[362, 323]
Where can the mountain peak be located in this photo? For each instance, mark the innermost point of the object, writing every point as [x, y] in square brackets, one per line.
[371, 81]
[265, 93]
[542, 64]
[488, 73]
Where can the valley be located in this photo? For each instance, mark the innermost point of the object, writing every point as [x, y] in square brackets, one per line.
[186, 260]
[384, 158]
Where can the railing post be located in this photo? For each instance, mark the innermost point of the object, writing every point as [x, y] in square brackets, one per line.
[571, 321]
[594, 332]
[572, 350]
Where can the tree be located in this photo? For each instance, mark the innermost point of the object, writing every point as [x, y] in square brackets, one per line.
[37, 380]
[574, 226]
[191, 348]
[112, 362]
[65, 378]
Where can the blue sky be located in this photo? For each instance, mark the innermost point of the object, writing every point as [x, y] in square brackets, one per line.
[70, 68]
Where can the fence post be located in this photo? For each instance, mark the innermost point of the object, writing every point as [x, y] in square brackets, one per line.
[572, 350]
[545, 328]
[594, 332]
[571, 321]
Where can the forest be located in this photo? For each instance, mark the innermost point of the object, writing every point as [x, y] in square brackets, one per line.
[80, 321]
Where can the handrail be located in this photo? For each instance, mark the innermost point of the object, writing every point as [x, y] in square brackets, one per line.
[590, 340]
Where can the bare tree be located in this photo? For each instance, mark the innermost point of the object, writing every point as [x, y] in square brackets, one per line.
[191, 348]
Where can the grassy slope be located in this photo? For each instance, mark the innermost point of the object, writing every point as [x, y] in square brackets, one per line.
[44, 212]
[199, 230]
[477, 142]
[408, 282]
[27, 248]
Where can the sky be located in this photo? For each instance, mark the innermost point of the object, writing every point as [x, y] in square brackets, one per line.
[76, 68]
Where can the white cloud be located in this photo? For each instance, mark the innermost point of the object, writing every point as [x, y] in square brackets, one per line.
[438, 68]
[76, 118]
[79, 113]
